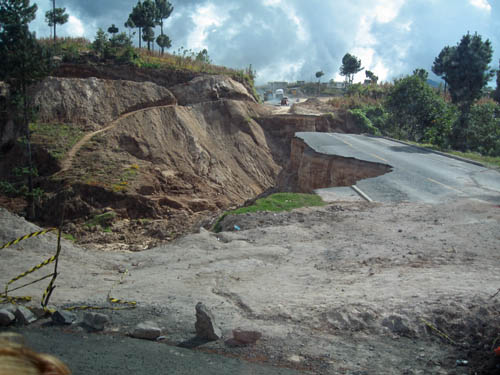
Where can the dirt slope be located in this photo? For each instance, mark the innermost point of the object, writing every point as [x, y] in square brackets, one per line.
[153, 167]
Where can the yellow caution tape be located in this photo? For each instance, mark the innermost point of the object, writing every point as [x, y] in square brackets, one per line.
[440, 333]
[25, 237]
[4, 297]
[130, 304]
[122, 302]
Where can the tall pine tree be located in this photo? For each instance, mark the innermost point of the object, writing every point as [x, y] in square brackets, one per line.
[24, 62]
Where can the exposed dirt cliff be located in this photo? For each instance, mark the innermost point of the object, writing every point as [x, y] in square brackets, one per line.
[141, 160]
[94, 101]
[153, 166]
[308, 170]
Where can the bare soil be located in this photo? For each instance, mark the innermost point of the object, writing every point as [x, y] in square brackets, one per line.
[349, 288]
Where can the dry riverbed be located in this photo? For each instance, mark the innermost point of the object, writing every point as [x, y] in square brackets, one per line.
[349, 288]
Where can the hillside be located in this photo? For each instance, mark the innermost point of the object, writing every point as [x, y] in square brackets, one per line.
[137, 157]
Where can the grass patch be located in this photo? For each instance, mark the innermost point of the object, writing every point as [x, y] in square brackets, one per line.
[69, 237]
[491, 161]
[275, 203]
[104, 220]
[56, 138]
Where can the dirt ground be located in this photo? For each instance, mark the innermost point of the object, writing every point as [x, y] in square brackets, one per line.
[349, 288]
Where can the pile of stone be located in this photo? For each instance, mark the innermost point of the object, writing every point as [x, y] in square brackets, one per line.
[206, 327]
[16, 314]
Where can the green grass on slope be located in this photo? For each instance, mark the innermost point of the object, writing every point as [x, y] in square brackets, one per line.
[275, 203]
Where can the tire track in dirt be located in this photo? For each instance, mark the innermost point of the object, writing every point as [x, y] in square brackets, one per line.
[68, 160]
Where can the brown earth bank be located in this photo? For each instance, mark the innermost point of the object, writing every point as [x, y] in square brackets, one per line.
[143, 163]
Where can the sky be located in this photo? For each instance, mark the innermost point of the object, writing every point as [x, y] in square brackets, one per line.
[290, 40]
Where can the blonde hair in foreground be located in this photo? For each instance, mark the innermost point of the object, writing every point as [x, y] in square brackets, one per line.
[16, 359]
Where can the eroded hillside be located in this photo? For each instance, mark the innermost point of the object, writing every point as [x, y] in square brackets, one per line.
[133, 162]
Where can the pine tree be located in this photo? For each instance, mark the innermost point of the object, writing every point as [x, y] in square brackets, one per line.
[24, 62]
[163, 10]
[56, 16]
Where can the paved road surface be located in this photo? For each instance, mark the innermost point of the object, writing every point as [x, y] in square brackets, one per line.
[117, 355]
[418, 175]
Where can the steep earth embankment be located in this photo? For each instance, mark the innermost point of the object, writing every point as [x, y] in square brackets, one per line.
[168, 165]
[95, 102]
[146, 162]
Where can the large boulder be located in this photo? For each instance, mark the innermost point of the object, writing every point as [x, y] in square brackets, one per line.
[209, 88]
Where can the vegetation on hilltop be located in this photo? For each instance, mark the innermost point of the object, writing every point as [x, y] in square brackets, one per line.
[460, 116]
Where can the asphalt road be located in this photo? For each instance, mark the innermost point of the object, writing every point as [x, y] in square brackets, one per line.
[117, 355]
[418, 175]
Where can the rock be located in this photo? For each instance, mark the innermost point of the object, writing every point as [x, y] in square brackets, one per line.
[24, 315]
[63, 317]
[295, 358]
[95, 321]
[198, 205]
[210, 88]
[93, 100]
[147, 331]
[6, 318]
[397, 325]
[205, 324]
[10, 308]
[246, 337]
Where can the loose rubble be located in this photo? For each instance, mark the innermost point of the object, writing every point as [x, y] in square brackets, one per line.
[24, 315]
[147, 331]
[63, 317]
[95, 321]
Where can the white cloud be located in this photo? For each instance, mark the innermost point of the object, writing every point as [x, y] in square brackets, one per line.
[204, 18]
[387, 10]
[481, 4]
[74, 27]
[271, 3]
[302, 33]
[365, 42]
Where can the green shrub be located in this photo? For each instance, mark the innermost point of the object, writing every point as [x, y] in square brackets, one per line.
[483, 132]
[414, 108]
[363, 122]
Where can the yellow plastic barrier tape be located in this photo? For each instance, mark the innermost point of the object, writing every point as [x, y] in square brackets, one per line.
[25, 237]
[4, 297]
[440, 333]
[130, 304]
